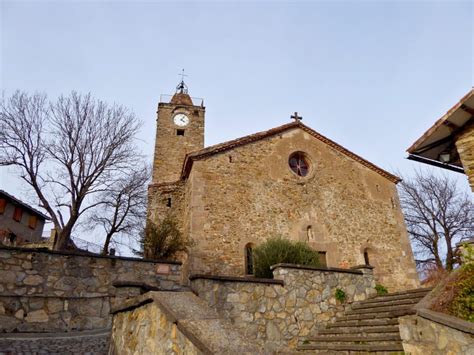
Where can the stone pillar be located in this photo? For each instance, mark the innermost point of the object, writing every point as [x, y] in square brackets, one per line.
[465, 147]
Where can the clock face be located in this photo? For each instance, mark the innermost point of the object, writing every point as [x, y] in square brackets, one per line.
[180, 119]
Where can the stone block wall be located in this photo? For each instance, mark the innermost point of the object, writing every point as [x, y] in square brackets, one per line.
[44, 291]
[174, 323]
[249, 194]
[295, 303]
[161, 333]
[465, 147]
[422, 336]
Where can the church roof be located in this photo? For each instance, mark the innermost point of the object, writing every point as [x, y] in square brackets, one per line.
[222, 147]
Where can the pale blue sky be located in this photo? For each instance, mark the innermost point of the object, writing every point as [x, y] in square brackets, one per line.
[371, 75]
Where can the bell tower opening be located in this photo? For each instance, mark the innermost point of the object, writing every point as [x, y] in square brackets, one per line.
[179, 131]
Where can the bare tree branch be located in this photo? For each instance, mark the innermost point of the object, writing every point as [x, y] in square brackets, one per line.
[437, 216]
[66, 150]
[123, 205]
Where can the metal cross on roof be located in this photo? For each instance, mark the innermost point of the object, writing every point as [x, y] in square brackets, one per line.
[182, 74]
[182, 87]
[296, 117]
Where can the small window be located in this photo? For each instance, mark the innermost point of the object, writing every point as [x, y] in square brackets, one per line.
[299, 164]
[32, 222]
[248, 260]
[309, 233]
[3, 204]
[322, 258]
[180, 132]
[17, 214]
[168, 202]
[366, 257]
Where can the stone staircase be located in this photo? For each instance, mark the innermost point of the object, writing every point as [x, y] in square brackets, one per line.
[370, 326]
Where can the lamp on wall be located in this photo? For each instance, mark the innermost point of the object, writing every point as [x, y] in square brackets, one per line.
[445, 157]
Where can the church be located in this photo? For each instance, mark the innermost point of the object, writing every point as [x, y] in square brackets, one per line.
[288, 181]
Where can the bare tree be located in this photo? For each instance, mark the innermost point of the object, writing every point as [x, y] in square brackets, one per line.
[67, 151]
[438, 215]
[123, 206]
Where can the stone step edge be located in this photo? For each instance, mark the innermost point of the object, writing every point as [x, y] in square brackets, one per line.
[381, 314]
[401, 307]
[388, 321]
[407, 292]
[354, 338]
[389, 299]
[405, 301]
[356, 332]
[363, 329]
[353, 347]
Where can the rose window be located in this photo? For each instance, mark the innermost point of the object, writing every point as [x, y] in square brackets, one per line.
[299, 164]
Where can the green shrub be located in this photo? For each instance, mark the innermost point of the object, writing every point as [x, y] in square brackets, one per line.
[462, 305]
[340, 295]
[381, 290]
[278, 250]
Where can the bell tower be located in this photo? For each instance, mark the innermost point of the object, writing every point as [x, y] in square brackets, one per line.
[179, 131]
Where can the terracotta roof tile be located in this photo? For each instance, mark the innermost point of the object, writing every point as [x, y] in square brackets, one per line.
[222, 147]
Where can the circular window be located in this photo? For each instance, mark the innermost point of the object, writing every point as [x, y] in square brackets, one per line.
[299, 164]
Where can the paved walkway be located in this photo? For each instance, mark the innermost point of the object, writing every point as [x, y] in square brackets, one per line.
[90, 342]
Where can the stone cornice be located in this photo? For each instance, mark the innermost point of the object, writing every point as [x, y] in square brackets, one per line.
[87, 255]
[315, 268]
[224, 278]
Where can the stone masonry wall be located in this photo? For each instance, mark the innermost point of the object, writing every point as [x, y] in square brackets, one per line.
[147, 330]
[44, 291]
[248, 194]
[422, 336]
[294, 304]
[465, 147]
[174, 323]
[171, 148]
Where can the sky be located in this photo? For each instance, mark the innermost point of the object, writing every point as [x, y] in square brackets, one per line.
[371, 75]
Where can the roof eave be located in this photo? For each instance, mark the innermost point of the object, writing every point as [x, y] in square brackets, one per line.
[188, 162]
[416, 145]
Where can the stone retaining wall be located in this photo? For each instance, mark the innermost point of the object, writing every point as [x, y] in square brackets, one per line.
[174, 323]
[422, 336]
[48, 291]
[293, 304]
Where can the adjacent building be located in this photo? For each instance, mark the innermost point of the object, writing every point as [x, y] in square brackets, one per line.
[288, 181]
[19, 222]
[449, 143]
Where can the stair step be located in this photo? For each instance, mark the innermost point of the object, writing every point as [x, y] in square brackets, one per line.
[364, 322]
[359, 330]
[354, 338]
[393, 298]
[408, 292]
[401, 307]
[395, 346]
[395, 313]
[372, 304]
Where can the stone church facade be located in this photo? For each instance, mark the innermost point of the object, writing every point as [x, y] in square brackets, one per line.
[288, 181]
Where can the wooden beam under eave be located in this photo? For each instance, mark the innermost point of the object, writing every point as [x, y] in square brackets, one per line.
[467, 109]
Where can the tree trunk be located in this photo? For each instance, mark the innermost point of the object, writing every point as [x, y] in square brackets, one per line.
[105, 249]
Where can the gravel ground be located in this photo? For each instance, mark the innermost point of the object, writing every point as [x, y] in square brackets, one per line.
[93, 342]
